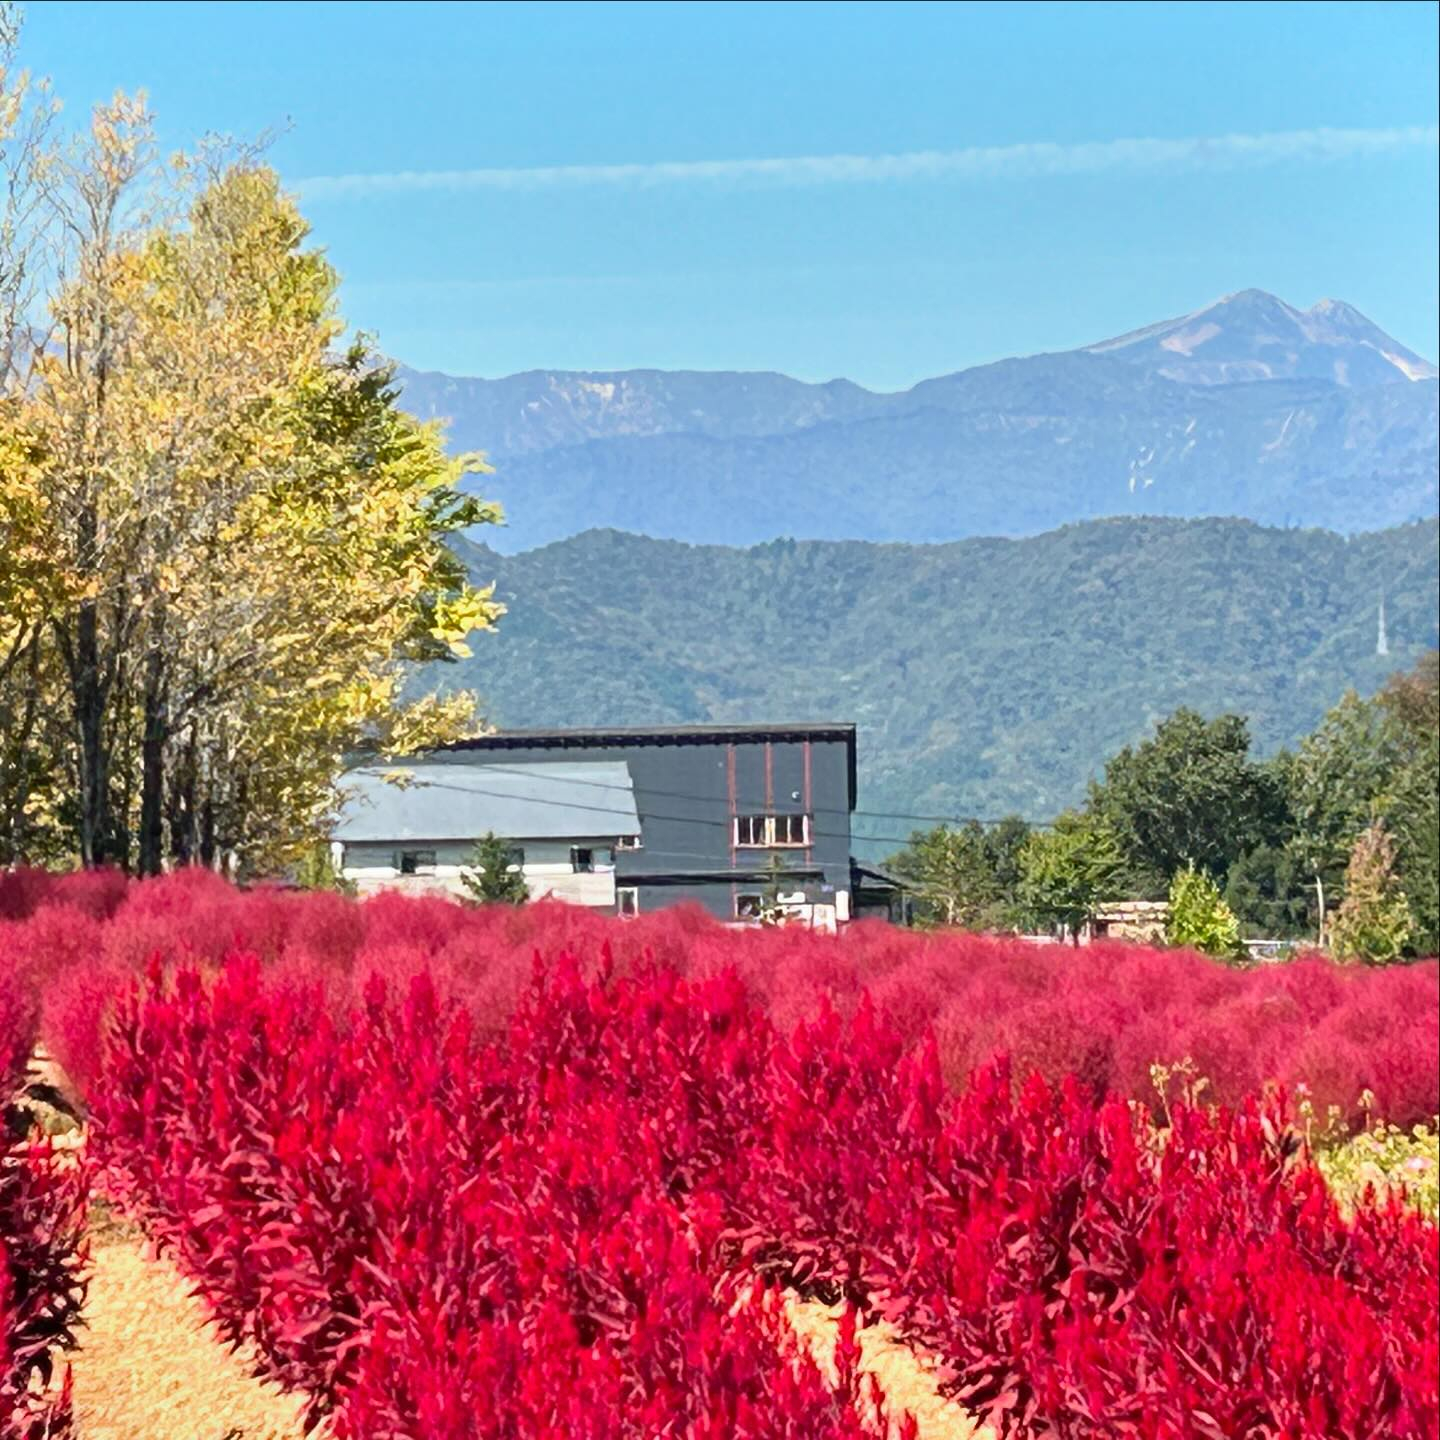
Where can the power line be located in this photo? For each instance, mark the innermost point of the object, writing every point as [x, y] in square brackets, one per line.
[711, 800]
[610, 810]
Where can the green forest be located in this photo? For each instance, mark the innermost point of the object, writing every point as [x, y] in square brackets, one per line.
[987, 677]
[1336, 840]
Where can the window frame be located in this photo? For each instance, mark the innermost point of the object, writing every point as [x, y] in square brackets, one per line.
[740, 901]
[769, 827]
[621, 894]
[579, 867]
[419, 865]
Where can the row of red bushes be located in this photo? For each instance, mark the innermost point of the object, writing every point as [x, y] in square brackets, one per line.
[435, 1231]
[42, 1258]
[1106, 1013]
[424, 1189]
[434, 1237]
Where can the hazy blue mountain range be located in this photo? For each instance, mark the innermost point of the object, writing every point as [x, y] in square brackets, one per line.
[985, 675]
[1247, 408]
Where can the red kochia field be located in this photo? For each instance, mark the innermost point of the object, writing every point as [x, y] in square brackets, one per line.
[502, 1173]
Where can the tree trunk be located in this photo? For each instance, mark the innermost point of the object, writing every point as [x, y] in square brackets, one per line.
[13, 847]
[88, 698]
[152, 763]
[208, 848]
[183, 839]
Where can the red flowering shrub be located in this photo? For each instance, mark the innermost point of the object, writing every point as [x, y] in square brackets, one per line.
[319, 1181]
[42, 1287]
[540, 1233]
[502, 1172]
[42, 1200]
[1081, 1277]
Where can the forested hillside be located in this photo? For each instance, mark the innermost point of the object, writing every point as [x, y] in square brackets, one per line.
[986, 675]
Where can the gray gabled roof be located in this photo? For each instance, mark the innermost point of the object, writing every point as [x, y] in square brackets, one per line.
[546, 801]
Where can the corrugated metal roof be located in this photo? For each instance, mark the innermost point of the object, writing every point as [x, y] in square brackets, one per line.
[543, 801]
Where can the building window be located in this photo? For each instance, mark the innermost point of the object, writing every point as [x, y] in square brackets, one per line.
[515, 858]
[768, 832]
[627, 901]
[628, 842]
[749, 907]
[582, 860]
[416, 862]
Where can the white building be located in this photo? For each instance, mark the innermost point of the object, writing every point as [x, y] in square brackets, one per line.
[413, 826]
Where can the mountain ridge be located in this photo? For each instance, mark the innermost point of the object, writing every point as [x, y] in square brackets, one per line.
[987, 674]
[1322, 423]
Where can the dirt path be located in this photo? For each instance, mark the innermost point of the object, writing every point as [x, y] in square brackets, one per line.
[903, 1375]
[151, 1368]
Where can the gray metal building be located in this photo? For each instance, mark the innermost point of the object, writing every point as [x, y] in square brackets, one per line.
[719, 808]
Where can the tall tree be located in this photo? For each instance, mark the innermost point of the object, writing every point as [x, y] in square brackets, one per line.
[1371, 760]
[1374, 923]
[1189, 795]
[1270, 893]
[229, 541]
[1413, 701]
[1342, 773]
[1070, 871]
[953, 879]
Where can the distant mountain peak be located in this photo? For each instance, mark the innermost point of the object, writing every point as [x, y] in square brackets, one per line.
[1253, 335]
[1324, 428]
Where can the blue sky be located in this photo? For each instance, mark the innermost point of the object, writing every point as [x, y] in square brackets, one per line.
[1017, 217]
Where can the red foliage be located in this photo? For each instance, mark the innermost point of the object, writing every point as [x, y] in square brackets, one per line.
[95, 892]
[1105, 1012]
[539, 1235]
[499, 1239]
[449, 1187]
[42, 1202]
[19, 1013]
[42, 1260]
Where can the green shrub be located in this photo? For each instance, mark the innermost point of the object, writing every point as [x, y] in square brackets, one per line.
[493, 877]
[1199, 917]
[315, 870]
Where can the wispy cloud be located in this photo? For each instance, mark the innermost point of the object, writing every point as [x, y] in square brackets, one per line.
[989, 162]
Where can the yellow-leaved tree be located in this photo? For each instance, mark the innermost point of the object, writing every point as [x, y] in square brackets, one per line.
[233, 537]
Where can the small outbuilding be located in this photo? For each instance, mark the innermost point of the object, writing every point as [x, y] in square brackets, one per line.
[413, 825]
[1143, 921]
